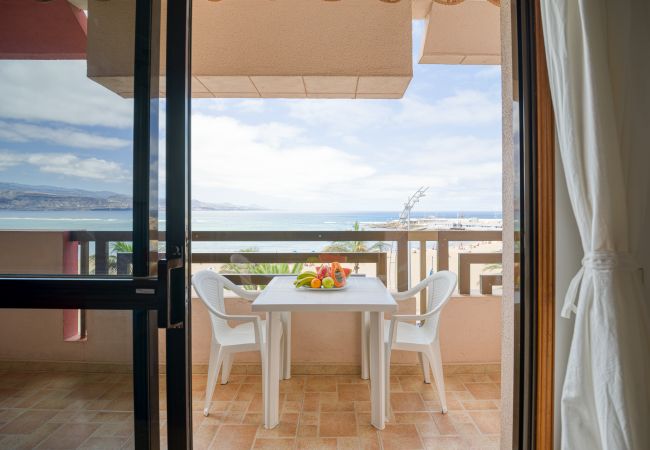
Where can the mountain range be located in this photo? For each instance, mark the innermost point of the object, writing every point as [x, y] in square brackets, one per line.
[14, 196]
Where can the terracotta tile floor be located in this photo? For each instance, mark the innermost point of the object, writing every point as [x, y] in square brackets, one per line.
[80, 411]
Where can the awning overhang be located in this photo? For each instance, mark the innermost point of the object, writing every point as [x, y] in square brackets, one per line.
[262, 48]
[465, 33]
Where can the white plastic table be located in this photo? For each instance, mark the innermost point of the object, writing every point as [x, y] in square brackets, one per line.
[363, 294]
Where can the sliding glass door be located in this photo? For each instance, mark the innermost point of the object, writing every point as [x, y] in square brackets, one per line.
[95, 250]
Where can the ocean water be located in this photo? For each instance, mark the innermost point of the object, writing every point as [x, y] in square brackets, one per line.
[224, 221]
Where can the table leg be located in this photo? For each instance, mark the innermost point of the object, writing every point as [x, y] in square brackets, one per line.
[272, 376]
[364, 344]
[377, 370]
[286, 338]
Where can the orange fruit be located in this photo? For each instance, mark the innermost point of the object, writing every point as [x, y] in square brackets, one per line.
[315, 283]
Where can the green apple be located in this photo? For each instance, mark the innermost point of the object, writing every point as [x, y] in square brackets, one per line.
[328, 282]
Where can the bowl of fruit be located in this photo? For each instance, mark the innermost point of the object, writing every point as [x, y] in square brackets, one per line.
[328, 277]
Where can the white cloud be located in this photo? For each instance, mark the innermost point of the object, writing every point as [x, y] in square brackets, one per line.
[68, 164]
[489, 72]
[251, 105]
[452, 150]
[264, 164]
[59, 91]
[466, 107]
[63, 136]
[230, 155]
[8, 160]
[341, 115]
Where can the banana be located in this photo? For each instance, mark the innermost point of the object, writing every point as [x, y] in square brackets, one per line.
[304, 281]
[306, 274]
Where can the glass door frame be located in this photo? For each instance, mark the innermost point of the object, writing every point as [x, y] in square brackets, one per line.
[158, 292]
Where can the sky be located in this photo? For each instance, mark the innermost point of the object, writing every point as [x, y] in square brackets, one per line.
[57, 127]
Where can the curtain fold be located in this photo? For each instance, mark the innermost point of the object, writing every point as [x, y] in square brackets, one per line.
[598, 54]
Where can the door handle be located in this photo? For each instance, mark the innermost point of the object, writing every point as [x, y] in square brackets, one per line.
[165, 268]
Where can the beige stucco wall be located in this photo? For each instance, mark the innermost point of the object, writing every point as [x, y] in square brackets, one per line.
[508, 302]
[469, 333]
[32, 252]
[38, 334]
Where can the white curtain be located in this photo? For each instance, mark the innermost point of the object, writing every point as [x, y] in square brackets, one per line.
[598, 54]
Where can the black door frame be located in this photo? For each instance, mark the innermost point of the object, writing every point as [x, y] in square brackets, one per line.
[533, 184]
[156, 294]
[178, 334]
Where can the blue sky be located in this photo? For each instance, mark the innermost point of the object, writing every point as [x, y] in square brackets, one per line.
[58, 127]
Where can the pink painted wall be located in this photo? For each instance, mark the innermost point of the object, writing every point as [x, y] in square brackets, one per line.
[42, 30]
[71, 325]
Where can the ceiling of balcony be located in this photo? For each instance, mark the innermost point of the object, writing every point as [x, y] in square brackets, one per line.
[463, 33]
[280, 48]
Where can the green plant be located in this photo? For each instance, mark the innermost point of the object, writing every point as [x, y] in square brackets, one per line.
[116, 247]
[249, 268]
[122, 247]
[356, 246]
[491, 268]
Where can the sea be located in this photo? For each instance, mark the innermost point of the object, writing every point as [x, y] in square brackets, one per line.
[227, 221]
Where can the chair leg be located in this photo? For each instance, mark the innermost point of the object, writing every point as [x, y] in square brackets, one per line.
[216, 358]
[424, 363]
[436, 364]
[226, 367]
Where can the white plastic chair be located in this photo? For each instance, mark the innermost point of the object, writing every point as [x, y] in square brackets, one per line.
[424, 337]
[226, 340]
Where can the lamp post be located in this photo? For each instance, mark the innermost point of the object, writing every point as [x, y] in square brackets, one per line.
[405, 216]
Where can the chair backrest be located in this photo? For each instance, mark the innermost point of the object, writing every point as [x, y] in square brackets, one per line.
[440, 286]
[210, 287]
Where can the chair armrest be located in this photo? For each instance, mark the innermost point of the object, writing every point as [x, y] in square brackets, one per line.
[400, 296]
[235, 317]
[406, 317]
[240, 291]
[248, 295]
[425, 316]
[392, 329]
[240, 318]
[257, 322]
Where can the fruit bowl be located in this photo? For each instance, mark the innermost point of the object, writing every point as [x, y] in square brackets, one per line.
[322, 289]
[328, 277]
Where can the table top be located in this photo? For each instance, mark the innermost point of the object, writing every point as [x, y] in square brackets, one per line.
[361, 294]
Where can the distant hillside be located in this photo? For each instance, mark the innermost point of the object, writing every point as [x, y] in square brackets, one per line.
[50, 198]
[21, 197]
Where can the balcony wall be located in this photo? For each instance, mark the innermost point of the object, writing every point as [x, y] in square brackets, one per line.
[38, 335]
[470, 325]
[470, 333]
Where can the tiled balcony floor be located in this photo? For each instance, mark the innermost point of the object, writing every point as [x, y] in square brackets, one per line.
[75, 410]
